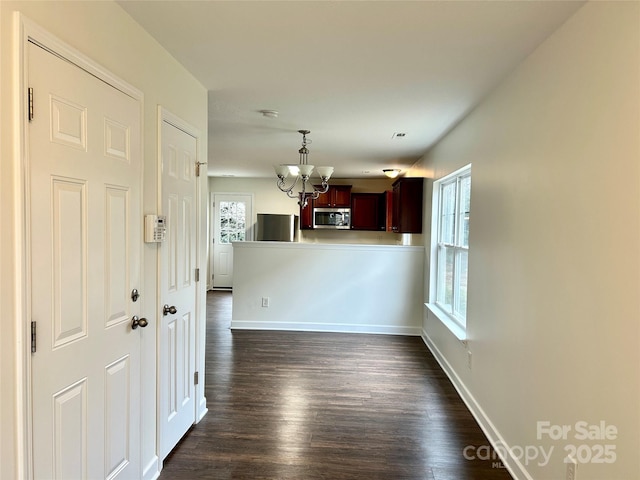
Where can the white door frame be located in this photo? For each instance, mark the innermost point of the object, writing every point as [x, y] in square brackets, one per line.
[28, 31]
[165, 115]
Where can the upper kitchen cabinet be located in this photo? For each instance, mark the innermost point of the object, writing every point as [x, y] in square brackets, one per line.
[407, 205]
[306, 216]
[367, 211]
[336, 196]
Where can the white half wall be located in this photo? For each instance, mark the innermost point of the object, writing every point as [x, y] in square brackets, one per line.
[331, 288]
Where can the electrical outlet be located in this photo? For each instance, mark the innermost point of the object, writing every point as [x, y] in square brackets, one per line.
[265, 301]
[469, 359]
[572, 467]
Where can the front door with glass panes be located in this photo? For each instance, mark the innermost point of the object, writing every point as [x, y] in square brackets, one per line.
[232, 220]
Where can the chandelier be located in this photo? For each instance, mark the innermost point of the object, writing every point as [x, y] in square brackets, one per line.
[303, 172]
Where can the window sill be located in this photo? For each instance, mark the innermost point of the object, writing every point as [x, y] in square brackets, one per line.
[458, 331]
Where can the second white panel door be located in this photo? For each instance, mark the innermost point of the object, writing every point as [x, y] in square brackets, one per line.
[178, 286]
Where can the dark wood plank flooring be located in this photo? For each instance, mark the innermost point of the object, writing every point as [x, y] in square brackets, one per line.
[294, 405]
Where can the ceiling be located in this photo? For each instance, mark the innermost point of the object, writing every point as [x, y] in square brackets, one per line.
[354, 73]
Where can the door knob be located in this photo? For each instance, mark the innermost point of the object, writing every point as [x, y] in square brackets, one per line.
[166, 310]
[138, 322]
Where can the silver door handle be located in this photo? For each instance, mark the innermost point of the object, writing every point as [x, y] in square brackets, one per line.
[166, 310]
[138, 322]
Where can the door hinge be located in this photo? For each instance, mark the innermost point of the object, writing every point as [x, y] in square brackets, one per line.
[33, 337]
[195, 378]
[197, 274]
[198, 167]
[30, 103]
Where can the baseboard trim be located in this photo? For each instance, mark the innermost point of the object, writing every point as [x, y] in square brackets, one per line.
[326, 327]
[511, 463]
[152, 470]
[202, 411]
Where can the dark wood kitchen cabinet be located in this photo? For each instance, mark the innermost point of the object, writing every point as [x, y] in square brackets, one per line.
[306, 216]
[407, 205]
[388, 210]
[336, 196]
[367, 211]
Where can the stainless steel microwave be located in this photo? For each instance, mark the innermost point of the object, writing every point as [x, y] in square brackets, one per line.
[332, 218]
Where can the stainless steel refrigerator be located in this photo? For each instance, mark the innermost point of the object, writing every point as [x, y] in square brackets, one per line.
[277, 227]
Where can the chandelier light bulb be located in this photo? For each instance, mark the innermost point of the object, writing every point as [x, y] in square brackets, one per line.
[324, 172]
[306, 170]
[281, 170]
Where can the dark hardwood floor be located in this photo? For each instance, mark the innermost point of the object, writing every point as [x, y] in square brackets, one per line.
[306, 406]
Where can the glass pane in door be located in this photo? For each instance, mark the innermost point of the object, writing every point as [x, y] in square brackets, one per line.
[233, 222]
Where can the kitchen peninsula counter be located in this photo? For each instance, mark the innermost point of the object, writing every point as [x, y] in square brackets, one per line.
[328, 287]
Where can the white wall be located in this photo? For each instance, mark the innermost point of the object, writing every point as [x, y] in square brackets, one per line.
[338, 288]
[262, 188]
[554, 266]
[106, 34]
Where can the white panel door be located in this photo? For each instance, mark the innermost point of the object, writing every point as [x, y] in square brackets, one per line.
[85, 216]
[232, 219]
[178, 287]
